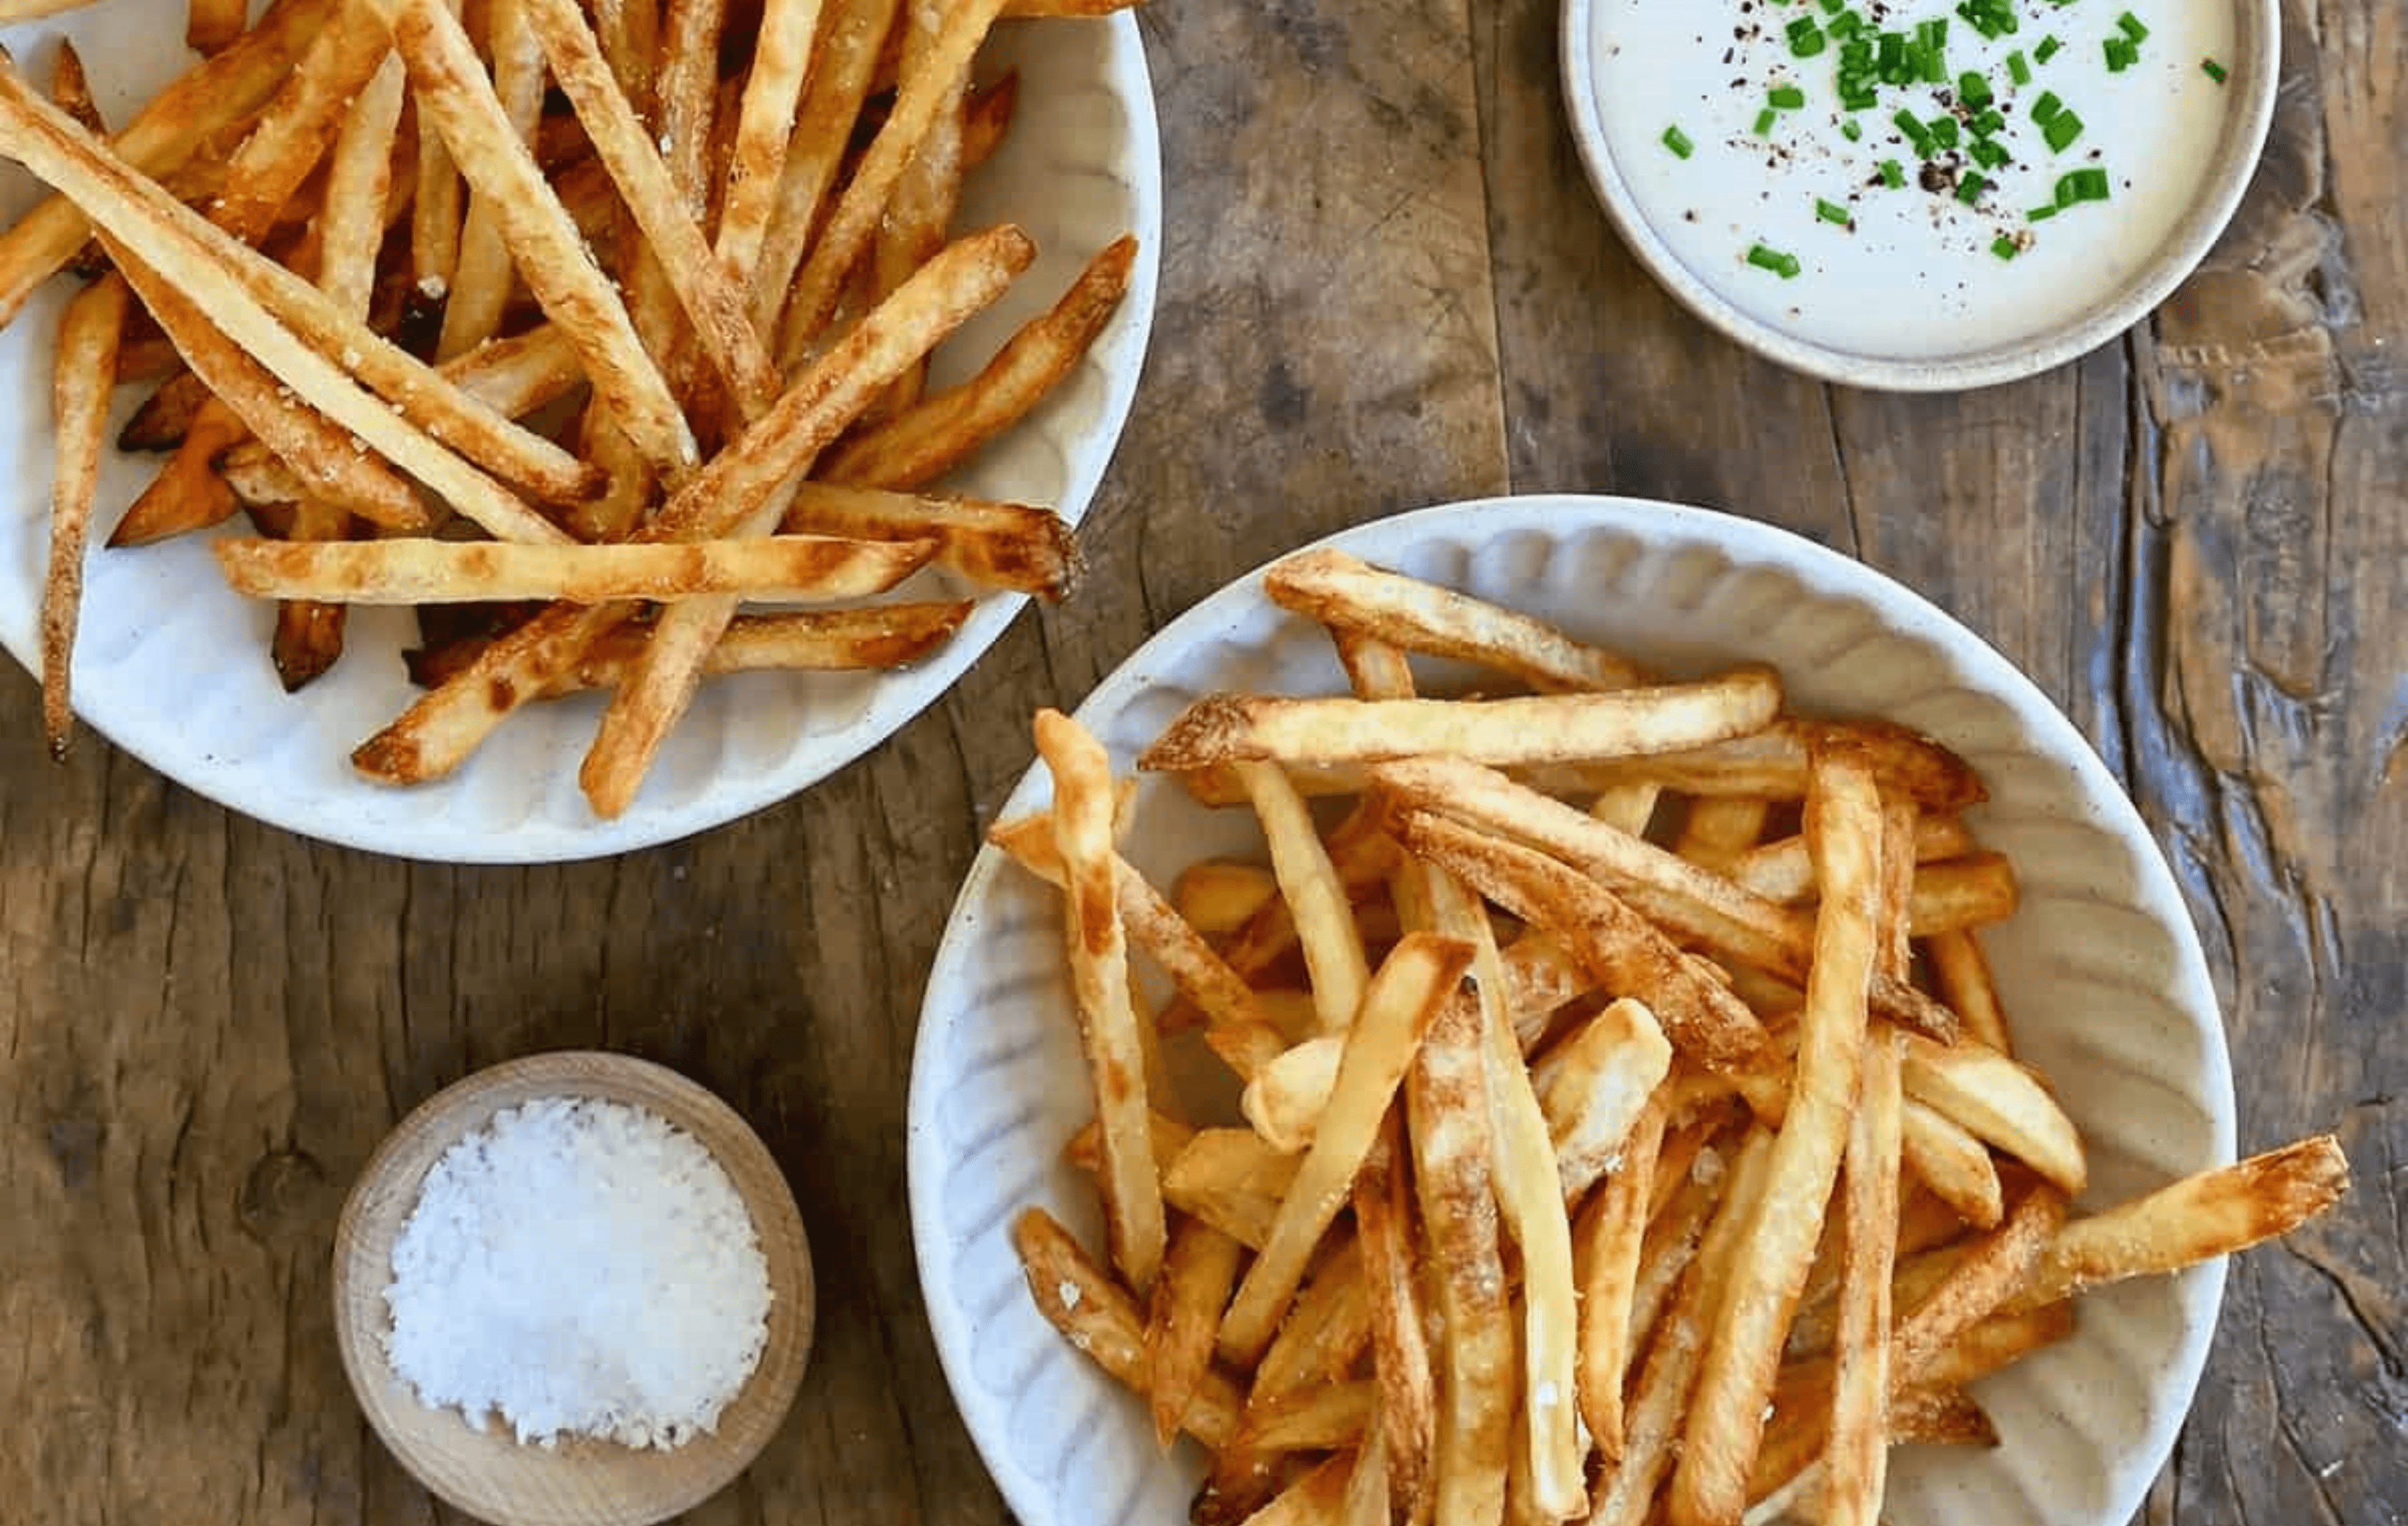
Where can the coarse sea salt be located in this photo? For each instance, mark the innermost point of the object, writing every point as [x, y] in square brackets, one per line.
[584, 1268]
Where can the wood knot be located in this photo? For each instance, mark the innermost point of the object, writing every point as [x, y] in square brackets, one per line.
[284, 1199]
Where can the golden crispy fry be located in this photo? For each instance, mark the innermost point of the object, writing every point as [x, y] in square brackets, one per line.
[1782, 872]
[1493, 732]
[820, 640]
[1232, 1180]
[1962, 972]
[1448, 1129]
[80, 376]
[1408, 1412]
[852, 36]
[1609, 1238]
[1327, 1329]
[782, 58]
[1725, 1419]
[1284, 1099]
[164, 417]
[308, 635]
[1962, 894]
[71, 89]
[1772, 763]
[2212, 1214]
[1594, 1086]
[409, 571]
[1314, 897]
[482, 274]
[179, 122]
[927, 440]
[1308, 1419]
[1082, 1301]
[1894, 951]
[2000, 1101]
[920, 208]
[1000, 545]
[210, 25]
[1347, 593]
[1858, 1461]
[850, 224]
[453, 92]
[1945, 1157]
[1217, 896]
[1107, 1018]
[1198, 1270]
[1618, 948]
[1720, 829]
[295, 130]
[1315, 1499]
[1411, 985]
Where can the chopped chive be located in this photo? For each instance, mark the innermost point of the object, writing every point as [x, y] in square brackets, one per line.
[2211, 68]
[2045, 110]
[2080, 185]
[1915, 130]
[1890, 59]
[1845, 25]
[2062, 131]
[2041, 213]
[1788, 98]
[2019, 68]
[2047, 49]
[1943, 130]
[1678, 141]
[1893, 175]
[1764, 120]
[1852, 130]
[2121, 54]
[1988, 123]
[1805, 37]
[1988, 154]
[1969, 188]
[2005, 248]
[1831, 212]
[1781, 263]
[2130, 26]
[1973, 90]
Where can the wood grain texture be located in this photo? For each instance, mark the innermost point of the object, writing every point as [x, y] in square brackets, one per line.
[1385, 283]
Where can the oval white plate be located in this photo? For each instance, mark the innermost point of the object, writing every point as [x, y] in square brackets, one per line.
[1909, 297]
[2099, 968]
[173, 667]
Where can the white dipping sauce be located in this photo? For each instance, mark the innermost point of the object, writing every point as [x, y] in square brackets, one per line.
[1915, 279]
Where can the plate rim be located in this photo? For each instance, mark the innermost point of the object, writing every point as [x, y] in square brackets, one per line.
[902, 694]
[934, 1252]
[2259, 70]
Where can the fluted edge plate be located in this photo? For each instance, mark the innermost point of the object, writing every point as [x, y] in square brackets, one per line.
[173, 667]
[2101, 971]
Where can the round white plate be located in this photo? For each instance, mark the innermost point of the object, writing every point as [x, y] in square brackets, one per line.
[2099, 968]
[173, 667]
[1908, 294]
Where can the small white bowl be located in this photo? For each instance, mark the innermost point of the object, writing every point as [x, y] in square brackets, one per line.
[2101, 971]
[1908, 295]
[579, 1481]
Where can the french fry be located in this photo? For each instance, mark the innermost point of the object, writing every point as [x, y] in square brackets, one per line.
[1628, 808]
[1308, 1419]
[1782, 872]
[308, 635]
[1327, 1331]
[1217, 897]
[188, 494]
[1315, 1499]
[1857, 1459]
[455, 94]
[293, 133]
[1493, 732]
[1314, 897]
[1107, 1020]
[782, 58]
[1725, 1419]
[1284, 1099]
[71, 89]
[1772, 762]
[1448, 1127]
[1596, 1085]
[1894, 951]
[1962, 894]
[418, 571]
[999, 545]
[1079, 1298]
[1345, 592]
[1411, 984]
[926, 195]
[840, 241]
[482, 275]
[2213, 1212]
[2000, 1101]
[1962, 972]
[1946, 1158]
[1720, 829]
[80, 376]
[1232, 1180]
[1408, 1412]
[820, 640]
[927, 440]
[211, 25]
[1198, 1270]
[852, 36]
[1608, 1239]
[164, 417]
[1618, 948]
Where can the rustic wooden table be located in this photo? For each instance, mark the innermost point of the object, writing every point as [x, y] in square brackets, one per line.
[1385, 283]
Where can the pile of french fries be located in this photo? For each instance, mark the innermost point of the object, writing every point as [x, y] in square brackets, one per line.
[611, 321]
[1632, 1131]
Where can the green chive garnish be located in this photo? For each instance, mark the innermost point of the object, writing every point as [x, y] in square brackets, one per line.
[2211, 68]
[1893, 175]
[2019, 68]
[1988, 153]
[2005, 248]
[2046, 51]
[2045, 110]
[2062, 129]
[1972, 89]
[1943, 130]
[2130, 26]
[1914, 131]
[1831, 212]
[1780, 262]
[1969, 188]
[1764, 120]
[2121, 54]
[1852, 130]
[2041, 213]
[1678, 141]
[1788, 98]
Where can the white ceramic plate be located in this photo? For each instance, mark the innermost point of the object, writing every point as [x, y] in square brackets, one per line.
[173, 667]
[1909, 294]
[2099, 968]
